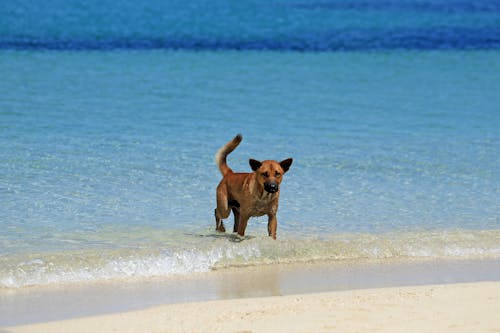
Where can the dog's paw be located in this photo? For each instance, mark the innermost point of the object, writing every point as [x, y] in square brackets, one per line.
[221, 228]
[236, 238]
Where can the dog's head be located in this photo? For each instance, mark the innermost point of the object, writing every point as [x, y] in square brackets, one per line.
[270, 173]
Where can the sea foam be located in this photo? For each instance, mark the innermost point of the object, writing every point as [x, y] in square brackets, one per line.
[225, 253]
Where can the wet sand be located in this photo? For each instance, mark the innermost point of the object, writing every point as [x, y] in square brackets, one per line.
[469, 307]
[61, 302]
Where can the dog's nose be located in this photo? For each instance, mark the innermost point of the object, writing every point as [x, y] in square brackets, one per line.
[271, 187]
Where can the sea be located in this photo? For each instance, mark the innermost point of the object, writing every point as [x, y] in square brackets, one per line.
[111, 113]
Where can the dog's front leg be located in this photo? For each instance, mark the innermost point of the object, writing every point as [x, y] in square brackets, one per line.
[272, 225]
[242, 225]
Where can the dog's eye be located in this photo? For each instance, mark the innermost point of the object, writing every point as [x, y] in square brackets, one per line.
[265, 174]
[277, 175]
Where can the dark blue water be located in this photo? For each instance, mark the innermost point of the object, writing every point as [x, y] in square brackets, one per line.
[251, 25]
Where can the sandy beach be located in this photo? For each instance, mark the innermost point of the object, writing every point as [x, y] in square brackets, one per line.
[469, 307]
[426, 296]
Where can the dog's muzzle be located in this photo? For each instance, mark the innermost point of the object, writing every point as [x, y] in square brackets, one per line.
[271, 187]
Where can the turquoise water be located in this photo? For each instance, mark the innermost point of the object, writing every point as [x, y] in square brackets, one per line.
[107, 147]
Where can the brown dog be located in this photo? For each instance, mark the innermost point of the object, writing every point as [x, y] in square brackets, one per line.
[248, 194]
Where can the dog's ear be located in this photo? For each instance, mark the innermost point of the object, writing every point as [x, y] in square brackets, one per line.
[255, 165]
[285, 164]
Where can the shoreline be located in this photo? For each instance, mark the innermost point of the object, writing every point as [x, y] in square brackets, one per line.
[62, 302]
[470, 307]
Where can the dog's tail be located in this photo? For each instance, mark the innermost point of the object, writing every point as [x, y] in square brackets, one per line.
[220, 157]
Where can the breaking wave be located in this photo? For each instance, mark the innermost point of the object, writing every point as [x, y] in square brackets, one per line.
[213, 252]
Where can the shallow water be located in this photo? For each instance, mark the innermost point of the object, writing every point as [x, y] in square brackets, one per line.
[107, 151]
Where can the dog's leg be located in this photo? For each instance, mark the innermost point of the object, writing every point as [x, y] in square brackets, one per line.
[219, 225]
[242, 225]
[272, 225]
[219, 215]
[236, 214]
[222, 211]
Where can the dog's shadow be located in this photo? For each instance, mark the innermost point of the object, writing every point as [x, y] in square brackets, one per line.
[231, 237]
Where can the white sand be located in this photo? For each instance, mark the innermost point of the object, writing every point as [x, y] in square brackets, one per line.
[472, 307]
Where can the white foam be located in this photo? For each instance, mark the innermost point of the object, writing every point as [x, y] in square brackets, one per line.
[39, 272]
[210, 253]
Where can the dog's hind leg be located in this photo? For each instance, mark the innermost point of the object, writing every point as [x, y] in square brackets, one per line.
[236, 214]
[222, 211]
[219, 225]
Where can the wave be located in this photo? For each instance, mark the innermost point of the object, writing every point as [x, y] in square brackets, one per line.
[214, 252]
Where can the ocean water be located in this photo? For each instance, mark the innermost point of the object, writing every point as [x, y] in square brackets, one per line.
[111, 113]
